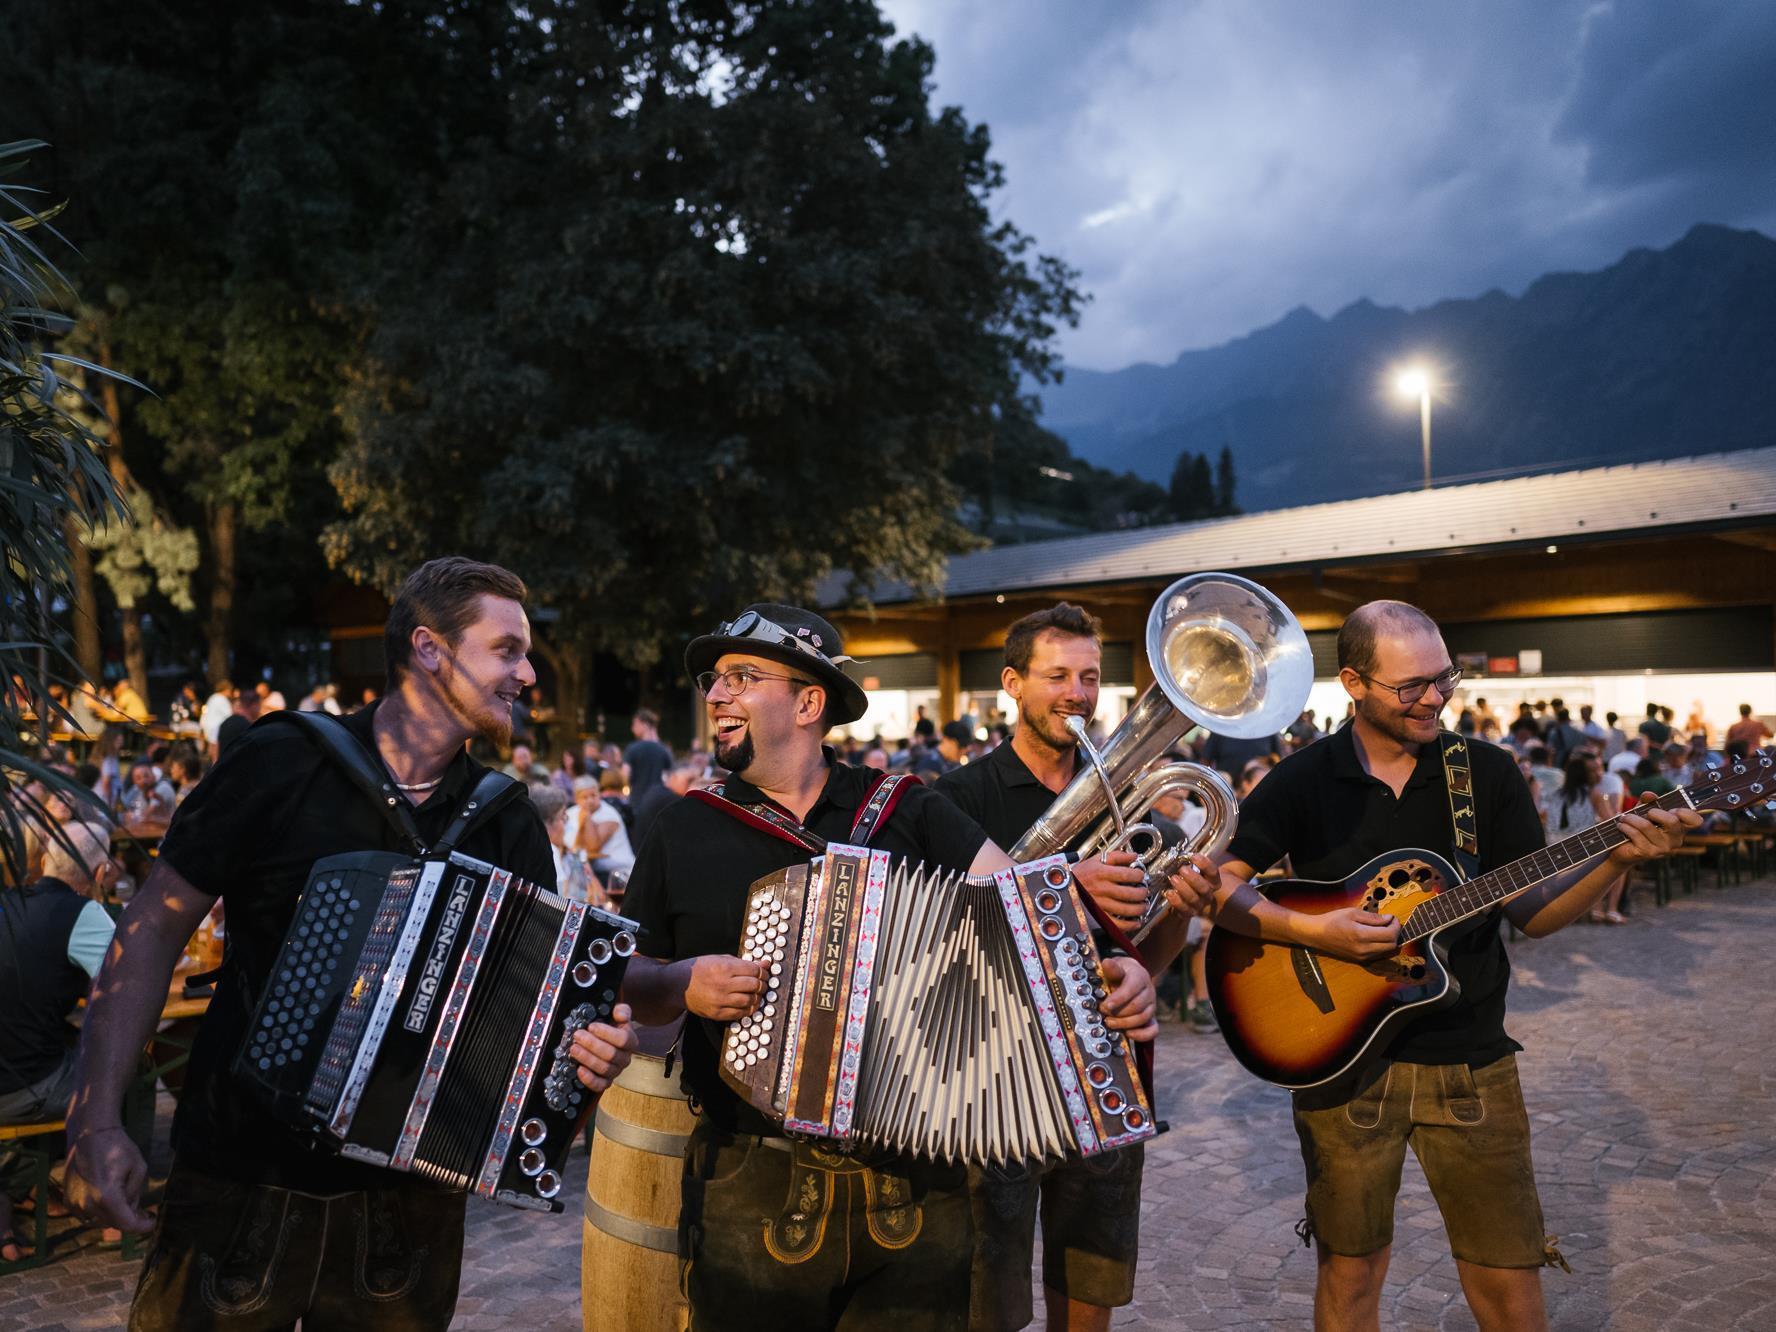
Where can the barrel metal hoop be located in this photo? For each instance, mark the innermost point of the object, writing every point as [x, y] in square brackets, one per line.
[645, 1076]
[640, 1137]
[661, 1239]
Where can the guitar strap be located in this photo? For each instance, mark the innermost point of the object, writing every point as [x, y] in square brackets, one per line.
[1458, 782]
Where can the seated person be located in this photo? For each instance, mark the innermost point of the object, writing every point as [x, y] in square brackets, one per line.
[573, 872]
[1648, 779]
[149, 798]
[53, 936]
[596, 829]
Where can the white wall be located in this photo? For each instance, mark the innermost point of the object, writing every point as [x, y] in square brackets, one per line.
[1720, 694]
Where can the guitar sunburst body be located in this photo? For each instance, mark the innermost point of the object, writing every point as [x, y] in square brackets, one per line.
[1300, 1018]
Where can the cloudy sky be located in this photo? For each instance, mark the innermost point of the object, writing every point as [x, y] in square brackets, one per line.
[1210, 164]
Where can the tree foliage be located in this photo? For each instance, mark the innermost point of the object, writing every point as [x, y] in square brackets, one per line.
[1202, 490]
[707, 312]
[52, 469]
[668, 304]
[145, 553]
[230, 169]
[1027, 478]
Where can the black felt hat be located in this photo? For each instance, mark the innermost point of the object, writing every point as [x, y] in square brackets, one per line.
[794, 636]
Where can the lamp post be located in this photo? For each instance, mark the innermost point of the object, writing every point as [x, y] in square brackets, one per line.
[1416, 383]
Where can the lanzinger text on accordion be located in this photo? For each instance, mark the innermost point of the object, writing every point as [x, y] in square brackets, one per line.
[419, 1017]
[932, 1014]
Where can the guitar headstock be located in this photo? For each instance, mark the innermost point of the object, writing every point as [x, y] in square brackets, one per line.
[1742, 784]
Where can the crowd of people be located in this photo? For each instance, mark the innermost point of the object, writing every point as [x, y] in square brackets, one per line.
[1582, 771]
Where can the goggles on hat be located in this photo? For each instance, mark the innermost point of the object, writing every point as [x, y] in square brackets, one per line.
[752, 625]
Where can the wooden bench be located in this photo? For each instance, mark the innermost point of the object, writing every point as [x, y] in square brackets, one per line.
[39, 1161]
[1727, 855]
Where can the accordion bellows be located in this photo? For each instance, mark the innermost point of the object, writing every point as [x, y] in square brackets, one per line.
[419, 1017]
[930, 1014]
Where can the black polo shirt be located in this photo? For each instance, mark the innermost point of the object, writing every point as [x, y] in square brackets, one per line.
[39, 985]
[249, 834]
[688, 889]
[1322, 810]
[1000, 793]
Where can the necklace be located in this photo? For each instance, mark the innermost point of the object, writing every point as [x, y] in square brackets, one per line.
[419, 786]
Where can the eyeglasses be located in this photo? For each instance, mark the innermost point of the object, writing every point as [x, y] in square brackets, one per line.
[1415, 690]
[739, 680]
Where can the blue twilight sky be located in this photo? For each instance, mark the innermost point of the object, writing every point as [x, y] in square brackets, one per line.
[1210, 164]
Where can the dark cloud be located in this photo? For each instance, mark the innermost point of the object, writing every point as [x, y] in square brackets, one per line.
[1676, 93]
[1210, 166]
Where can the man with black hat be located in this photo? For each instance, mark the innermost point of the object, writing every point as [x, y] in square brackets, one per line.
[777, 1233]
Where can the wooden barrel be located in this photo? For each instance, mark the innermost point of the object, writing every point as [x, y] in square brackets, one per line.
[629, 1270]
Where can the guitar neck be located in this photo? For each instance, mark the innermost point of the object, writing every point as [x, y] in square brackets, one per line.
[1500, 885]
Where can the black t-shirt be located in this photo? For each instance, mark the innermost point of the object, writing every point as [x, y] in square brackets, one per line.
[688, 889]
[646, 807]
[39, 986]
[1321, 809]
[249, 834]
[1656, 732]
[1226, 753]
[648, 761]
[1000, 793]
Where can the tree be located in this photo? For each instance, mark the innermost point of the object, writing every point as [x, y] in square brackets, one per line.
[1199, 491]
[55, 478]
[1026, 472]
[706, 314]
[250, 149]
[1224, 483]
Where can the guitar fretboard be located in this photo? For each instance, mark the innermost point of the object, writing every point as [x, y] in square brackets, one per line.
[1495, 886]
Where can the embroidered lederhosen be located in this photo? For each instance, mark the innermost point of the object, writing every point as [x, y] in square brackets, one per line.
[817, 1172]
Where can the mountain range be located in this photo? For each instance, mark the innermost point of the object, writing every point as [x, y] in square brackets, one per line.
[1665, 353]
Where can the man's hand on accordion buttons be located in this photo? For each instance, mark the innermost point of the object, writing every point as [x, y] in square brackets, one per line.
[604, 1049]
[1131, 1006]
[1115, 885]
[723, 988]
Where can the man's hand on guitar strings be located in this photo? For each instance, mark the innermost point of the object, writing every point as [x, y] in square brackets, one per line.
[1353, 934]
[604, 1049]
[1131, 1007]
[1652, 832]
[1115, 885]
[723, 988]
[1192, 889]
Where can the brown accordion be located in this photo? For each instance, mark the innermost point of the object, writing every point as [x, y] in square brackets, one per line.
[932, 1014]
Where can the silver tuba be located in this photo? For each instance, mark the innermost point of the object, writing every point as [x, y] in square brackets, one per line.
[1226, 655]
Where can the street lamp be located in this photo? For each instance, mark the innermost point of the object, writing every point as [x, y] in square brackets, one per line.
[1416, 383]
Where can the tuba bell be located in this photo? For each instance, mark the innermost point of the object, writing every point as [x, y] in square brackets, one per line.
[1227, 655]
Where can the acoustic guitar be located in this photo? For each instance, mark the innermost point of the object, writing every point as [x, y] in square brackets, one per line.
[1301, 1018]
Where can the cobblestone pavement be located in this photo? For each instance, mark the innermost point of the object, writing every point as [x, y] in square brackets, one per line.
[1649, 1079]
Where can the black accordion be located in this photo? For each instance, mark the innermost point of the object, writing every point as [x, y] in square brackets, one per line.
[931, 1014]
[419, 1017]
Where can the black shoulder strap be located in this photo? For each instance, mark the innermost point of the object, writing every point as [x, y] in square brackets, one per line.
[333, 739]
[1458, 781]
[492, 793]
